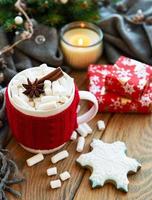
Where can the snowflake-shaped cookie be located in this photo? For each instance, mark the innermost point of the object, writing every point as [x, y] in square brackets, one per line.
[109, 163]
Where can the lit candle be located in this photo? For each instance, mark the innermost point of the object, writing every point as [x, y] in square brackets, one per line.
[81, 44]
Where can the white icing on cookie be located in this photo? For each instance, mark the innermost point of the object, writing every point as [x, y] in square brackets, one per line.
[109, 163]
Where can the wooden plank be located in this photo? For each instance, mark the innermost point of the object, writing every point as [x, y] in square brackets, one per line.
[135, 131]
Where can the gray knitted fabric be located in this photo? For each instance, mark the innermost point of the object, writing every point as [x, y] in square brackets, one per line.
[122, 36]
[47, 52]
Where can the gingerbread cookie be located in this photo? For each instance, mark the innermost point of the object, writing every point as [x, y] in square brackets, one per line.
[109, 163]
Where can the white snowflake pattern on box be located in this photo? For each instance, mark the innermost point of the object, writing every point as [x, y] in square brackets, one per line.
[128, 88]
[94, 80]
[116, 103]
[127, 72]
[112, 102]
[122, 73]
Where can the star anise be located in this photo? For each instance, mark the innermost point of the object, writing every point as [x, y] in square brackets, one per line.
[36, 88]
[33, 89]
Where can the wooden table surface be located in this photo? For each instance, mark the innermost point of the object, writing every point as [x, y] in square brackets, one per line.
[134, 129]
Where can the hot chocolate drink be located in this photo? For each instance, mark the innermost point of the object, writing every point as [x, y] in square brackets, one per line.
[33, 89]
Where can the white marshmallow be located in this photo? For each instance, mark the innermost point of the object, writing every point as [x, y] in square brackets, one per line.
[47, 106]
[87, 127]
[64, 176]
[80, 144]
[44, 68]
[101, 125]
[35, 159]
[55, 184]
[22, 95]
[47, 83]
[47, 91]
[69, 85]
[52, 171]
[45, 99]
[59, 156]
[62, 91]
[64, 84]
[56, 88]
[30, 76]
[62, 81]
[82, 130]
[74, 135]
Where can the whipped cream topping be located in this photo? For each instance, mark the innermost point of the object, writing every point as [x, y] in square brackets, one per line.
[55, 94]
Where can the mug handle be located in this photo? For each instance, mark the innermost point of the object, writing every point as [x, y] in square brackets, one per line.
[85, 95]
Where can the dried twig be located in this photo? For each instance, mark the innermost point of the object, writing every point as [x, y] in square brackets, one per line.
[29, 31]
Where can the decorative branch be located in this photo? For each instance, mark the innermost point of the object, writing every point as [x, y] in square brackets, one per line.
[18, 5]
[29, 31]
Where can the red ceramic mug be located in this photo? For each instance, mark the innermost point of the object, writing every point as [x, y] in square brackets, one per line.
[47, 131]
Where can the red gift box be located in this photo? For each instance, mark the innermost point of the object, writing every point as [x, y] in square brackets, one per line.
[128, 78]
[112, 102]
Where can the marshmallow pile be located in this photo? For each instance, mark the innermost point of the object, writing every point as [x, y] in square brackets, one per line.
[55, 94]
[53, 170]
[84, 130]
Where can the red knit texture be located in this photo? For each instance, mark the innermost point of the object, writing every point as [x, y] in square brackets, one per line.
[43, 133]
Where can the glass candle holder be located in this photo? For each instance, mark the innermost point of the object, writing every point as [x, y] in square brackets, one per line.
[81, 44]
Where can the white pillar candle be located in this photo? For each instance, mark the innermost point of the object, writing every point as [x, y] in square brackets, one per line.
[81, 46]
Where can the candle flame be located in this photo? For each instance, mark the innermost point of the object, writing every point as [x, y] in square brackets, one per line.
[80, 42]
[82, 25]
